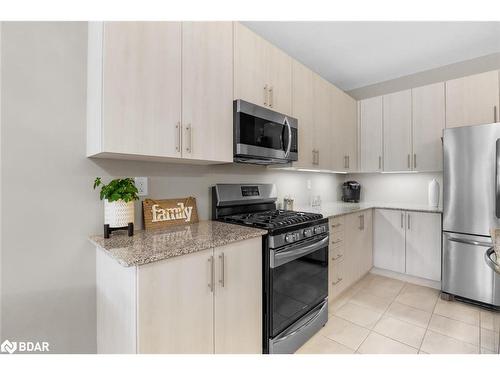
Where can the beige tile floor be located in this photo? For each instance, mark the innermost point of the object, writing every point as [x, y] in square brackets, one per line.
[388, 316]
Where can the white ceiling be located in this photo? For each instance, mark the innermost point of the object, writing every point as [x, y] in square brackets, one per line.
[357, 54]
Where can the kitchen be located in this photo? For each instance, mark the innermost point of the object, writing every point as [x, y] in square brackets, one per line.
[383, 283]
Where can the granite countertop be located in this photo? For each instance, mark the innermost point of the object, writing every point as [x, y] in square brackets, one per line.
[151, 246]
[332, 209]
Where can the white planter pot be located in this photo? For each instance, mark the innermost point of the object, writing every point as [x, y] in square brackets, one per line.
[118, 213]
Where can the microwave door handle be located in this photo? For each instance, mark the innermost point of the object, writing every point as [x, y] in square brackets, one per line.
[287, 123]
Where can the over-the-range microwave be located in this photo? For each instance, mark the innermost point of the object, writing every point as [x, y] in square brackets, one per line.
[263, 136]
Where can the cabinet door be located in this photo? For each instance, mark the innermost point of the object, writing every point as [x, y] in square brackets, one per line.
[472, 100]
[366, 242]
[423, 245]
[397, 131]
[389, 240]
[428, 123]
[370, 134]
[322, 135]
[250, 66]
[207, 91]
[141, 92]
[303, 110]
[238, 297]
[344, 132]
[280, 80]
[175, 305]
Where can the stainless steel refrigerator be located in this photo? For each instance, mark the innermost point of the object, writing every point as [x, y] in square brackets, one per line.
[471, 207]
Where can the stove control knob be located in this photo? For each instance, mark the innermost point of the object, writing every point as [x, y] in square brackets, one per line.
[289, 238]
[318, 230]
[308, 232]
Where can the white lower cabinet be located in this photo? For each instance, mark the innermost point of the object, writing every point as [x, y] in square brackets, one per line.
[350, 250]
[423, 245]
[389, 240]
[408, 242]
[205, 302]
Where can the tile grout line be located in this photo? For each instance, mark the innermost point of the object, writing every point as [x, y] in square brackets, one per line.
[371, 329]
[429, 322]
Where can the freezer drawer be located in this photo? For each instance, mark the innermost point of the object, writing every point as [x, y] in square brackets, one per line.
[465, 271]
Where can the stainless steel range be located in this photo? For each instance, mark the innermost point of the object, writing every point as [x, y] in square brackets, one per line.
[295, 262]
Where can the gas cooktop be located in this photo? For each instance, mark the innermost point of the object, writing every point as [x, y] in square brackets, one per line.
[272, 219]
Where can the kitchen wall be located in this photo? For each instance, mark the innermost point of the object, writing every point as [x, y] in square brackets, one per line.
[409, 188]
[49, 208]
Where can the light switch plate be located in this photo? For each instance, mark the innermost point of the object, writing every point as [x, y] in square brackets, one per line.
[141, 183]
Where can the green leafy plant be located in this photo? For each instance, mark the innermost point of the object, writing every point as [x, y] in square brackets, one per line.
[120, 188]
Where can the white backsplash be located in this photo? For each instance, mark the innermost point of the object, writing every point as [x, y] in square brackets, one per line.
[411, 188]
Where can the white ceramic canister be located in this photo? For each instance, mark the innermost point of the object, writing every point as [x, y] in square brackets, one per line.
[433, 195]
[118, 213]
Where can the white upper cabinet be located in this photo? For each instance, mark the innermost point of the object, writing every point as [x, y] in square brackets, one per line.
[302, 110]
[157, 90]
[322, 131]
[262, 72]
[207, 90]
[397, 131]
[472, 100]
[370, 134]
[428, 124]
[134, 99]
[344, 133]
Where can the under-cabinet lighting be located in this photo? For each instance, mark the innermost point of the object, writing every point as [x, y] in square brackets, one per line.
[398, 172]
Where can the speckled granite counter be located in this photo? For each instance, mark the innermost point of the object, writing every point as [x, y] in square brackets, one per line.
[332, 209]
[151, 246]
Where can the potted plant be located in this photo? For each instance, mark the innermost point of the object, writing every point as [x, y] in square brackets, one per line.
[119, 196]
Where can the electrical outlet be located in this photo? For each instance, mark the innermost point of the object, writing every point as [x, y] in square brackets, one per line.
[309, 185]
[141, 183]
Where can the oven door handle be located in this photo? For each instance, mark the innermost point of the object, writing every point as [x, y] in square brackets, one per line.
[281, 257]
[287, 123]
[301, 324]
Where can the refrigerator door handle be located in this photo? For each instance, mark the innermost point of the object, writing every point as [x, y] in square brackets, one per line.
[470, 242]
[497, 179]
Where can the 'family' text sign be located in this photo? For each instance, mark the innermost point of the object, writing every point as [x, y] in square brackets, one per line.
[166, 212]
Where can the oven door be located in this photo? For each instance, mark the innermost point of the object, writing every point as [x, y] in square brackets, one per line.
[263, 136]
[298, 282]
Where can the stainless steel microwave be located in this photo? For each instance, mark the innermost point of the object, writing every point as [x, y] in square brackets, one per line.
[263, 136]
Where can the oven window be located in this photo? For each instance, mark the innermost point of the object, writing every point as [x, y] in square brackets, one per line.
[255, 131]
[297, 287]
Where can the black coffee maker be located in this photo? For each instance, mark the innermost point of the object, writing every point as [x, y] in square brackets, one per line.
[351, 191]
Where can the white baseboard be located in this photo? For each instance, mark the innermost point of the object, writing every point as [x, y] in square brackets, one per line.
[407, 278]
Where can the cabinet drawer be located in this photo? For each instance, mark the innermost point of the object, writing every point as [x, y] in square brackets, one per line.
[337, 273]
[336, 238]
[337, 224]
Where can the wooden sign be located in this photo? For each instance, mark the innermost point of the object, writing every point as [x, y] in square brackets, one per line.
[167, 212]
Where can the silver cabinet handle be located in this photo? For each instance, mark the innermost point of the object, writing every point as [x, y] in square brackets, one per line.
[409, 219]
[402, 221]
[178, 137]
[380, 162]
[222, 279]
[494, 113]
[271, 96]
[409, 161]
[336, 225]
[348, 161]
[266, 93]
[338, 281]
[189, 148]
[414, 161]
[337, 257]
[211, 283]
[317, 157]
[336, 242]
[361, 222]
